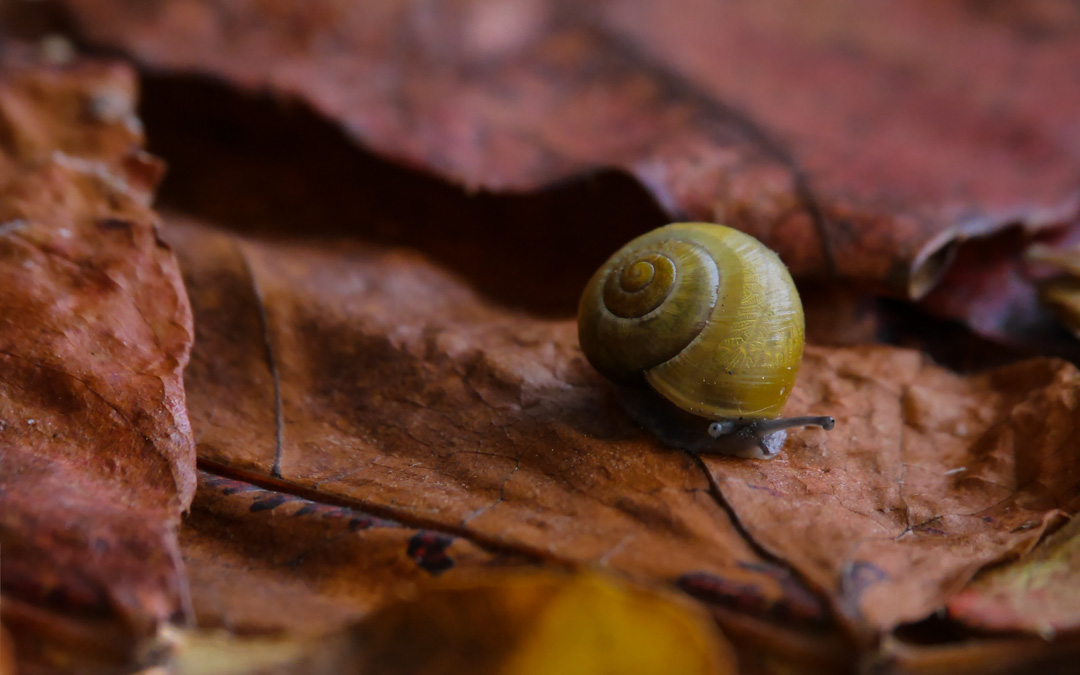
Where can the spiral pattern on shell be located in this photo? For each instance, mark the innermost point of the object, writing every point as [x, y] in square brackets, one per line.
[707, 315]
[634, 327]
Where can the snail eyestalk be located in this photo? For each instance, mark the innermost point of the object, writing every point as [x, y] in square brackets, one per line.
[758, 438]
[718, 429]
[826, 422]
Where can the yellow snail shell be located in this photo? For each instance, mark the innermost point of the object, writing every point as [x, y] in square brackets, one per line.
[710, 318]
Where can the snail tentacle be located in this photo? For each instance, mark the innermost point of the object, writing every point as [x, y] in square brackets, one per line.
[768, 434]
[824, 421]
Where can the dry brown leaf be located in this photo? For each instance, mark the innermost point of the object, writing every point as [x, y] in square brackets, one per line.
[389, 424]
[97, 460]
[250, 552]
[404, 393]
[96, 456]
[927, 477]
[858, 140]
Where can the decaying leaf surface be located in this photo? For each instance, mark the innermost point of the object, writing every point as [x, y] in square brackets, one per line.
[857, 140]
[541, 623]
[928, 477]
[96, 456]
[1036, 594]
[400, 390]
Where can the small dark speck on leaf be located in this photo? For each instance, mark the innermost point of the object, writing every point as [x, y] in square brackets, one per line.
[428, 550]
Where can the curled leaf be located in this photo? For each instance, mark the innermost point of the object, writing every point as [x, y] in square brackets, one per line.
[96, 456]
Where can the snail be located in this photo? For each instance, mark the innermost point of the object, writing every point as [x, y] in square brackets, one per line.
[702, 326]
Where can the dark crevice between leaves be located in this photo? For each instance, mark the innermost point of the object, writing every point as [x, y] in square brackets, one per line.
[936, 629]
[947, 342]
[260, 165]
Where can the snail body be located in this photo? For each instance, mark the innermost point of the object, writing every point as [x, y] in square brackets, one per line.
[708, 319]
